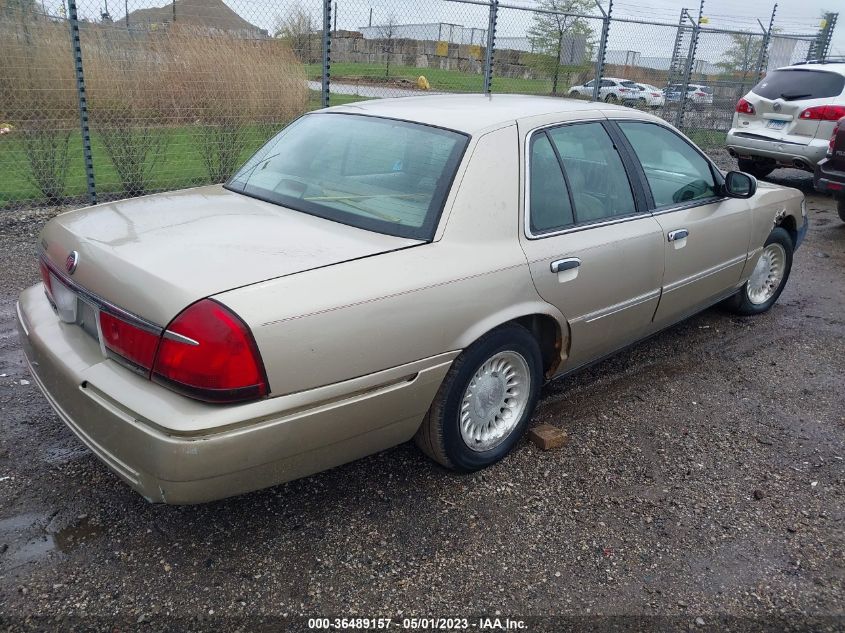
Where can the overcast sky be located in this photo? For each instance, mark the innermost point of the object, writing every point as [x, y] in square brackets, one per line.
[792, 16]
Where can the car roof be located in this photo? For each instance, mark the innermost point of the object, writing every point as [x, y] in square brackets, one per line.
[836, 67]
[472, 113]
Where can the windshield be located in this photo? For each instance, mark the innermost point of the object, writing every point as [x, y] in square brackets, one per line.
[799, 84]
[377, 174]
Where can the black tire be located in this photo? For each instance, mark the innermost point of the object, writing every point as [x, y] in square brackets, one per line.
[611, 98]
[740, 303]
[440, 437]
[755, 168]
[574, 94]
[840, 207]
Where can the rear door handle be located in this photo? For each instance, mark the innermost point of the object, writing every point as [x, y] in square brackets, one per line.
[559, 265]
[678, 234]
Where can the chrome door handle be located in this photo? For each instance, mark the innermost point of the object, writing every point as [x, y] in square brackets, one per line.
[679, 234]
[559, 265]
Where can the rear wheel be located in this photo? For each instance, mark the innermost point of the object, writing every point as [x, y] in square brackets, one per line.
[840, 206]
[485, 402]
[768, 278]
[755, 168]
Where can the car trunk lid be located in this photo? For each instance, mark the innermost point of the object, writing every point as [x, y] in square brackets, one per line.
[154, 255]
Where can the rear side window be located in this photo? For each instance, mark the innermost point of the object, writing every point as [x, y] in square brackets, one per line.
[676, 173]
[594, 170]
[549, 199]
[794, 84]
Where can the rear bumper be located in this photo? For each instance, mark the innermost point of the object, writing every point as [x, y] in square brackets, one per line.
[174, 450]
[782, 153]
[828, 179]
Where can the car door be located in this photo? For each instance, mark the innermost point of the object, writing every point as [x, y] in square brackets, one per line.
[594, 251]
[705, 235]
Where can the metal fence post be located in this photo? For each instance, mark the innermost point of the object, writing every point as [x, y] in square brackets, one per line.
[491, 45]
[762, 62]
[693, 45]
[327, 51]
[600, 55]
[83, 100]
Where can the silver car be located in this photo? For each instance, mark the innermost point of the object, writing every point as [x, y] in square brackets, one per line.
[787, 119]
[384, 271]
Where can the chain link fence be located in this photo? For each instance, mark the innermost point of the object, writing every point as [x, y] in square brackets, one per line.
[105, 99]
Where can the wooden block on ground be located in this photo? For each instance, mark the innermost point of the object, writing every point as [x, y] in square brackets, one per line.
[546, 437]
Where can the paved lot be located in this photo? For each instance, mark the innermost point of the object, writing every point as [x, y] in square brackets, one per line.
[704, 476]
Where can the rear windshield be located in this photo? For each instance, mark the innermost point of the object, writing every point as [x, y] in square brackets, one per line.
[793, 84]
[377, 174]
[630, 84]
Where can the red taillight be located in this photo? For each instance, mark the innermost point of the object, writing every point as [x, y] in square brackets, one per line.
[655, 94]
[129, 341]
[45, 277]
[208, 353]
[823, 113]
[744, 107]
[699, 94]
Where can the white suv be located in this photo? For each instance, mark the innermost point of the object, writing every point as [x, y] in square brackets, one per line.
[787, 119]
[611, 89]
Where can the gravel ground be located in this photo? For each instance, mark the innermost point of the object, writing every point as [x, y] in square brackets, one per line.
[703, 478]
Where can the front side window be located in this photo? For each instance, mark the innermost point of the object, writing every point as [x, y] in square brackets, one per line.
[377, 174]
[596, 175]
[676, 172]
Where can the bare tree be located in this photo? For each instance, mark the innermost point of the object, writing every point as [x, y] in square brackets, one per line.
[387, 33]
[297, 28]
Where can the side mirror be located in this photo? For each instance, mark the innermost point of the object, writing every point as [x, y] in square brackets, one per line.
[740, 185]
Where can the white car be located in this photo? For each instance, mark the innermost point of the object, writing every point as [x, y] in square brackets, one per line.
[788, 118]
[650, 96]
[612, 89]
[696, 93]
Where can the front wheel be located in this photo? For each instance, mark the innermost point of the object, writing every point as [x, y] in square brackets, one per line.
[768, 278]
[611, 98]
[755, 168]
[485, 402]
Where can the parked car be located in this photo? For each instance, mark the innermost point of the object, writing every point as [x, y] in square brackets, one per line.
[382, 271]
[612, 89]
[830, 172]
[696, 93]
[787, 119]
[650, 96]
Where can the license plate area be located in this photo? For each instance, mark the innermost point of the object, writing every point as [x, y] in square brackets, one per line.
[65, 299]
[72, 308]
[776, 125]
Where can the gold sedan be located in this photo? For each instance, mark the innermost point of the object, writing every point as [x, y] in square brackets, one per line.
[394, 269]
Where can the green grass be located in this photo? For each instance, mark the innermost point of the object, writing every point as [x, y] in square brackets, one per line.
[446, 80]
[179, 166]
[706, 139]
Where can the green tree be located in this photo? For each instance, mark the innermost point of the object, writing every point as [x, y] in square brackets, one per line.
[549, 31]
[742, 56]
